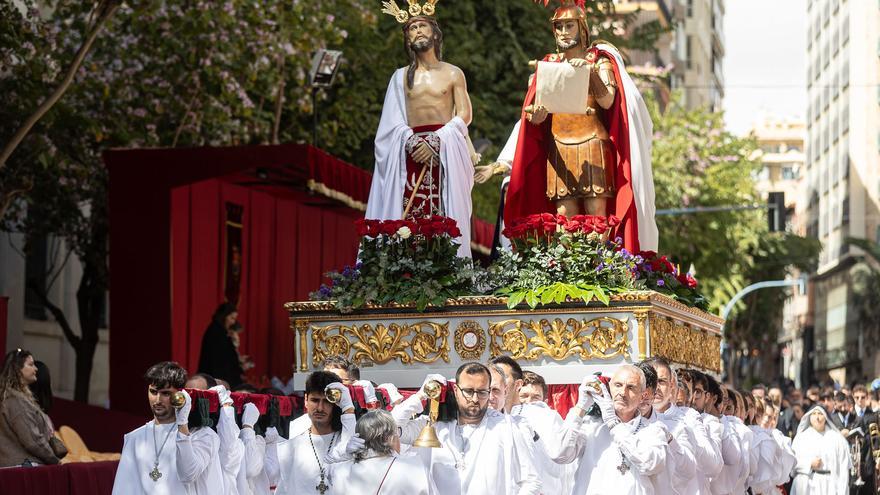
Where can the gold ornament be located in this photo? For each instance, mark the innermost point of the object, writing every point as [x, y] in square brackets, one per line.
[414, 9]
[600, 338]
[682, 344]
[470, 340]
[422, 342]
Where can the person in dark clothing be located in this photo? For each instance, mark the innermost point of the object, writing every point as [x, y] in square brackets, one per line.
[42, 388]
[219, 356]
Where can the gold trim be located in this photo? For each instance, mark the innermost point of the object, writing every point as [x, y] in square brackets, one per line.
[303, 327]
[470, 352]
[600, 338]
[422, 342]
[322, 189]
[685, 345]
[641, 315]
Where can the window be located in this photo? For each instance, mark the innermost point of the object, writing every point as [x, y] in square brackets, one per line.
[690, 8]
[36, 273]
[688, 50]
[788, 173]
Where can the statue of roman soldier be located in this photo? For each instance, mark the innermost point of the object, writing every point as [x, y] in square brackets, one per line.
[596, 161]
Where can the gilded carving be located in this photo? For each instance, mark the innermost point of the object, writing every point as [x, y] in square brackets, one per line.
[423, 342]
[558, 339]
[682, 344]
[641, 315]
[470, 340]
[302, 326]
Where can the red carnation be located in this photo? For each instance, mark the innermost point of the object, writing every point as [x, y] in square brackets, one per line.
[454, 232]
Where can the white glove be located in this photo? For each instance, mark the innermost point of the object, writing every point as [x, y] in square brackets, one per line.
[223, 394]
[182, 414]
[250, 415]
[345, 402]
[431, 378]
[272, 435]
[393, 394]
[586, 393]
[606, 405]
[355, 443]
[369, 391]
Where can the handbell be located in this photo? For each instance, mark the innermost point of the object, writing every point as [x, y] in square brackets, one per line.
[428, 437]
[178, 400]
[333, 395]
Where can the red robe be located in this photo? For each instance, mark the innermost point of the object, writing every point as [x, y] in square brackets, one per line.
[526, 194]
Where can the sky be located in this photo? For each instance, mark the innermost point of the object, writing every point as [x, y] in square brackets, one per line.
[764, 62]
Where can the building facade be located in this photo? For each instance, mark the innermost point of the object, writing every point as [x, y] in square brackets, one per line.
[689, 57]
[842, 172]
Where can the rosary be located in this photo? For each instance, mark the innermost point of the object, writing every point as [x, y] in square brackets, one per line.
[322, 487]
[155, 474]
[624, 467]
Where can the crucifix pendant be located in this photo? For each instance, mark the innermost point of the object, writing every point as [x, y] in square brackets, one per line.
[155, 474]
[623, 468]
[322, 487]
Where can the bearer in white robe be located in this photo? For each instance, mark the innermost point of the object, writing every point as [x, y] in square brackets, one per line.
[619, 453]
[731, 450]
[787, 459]
[681, 465]
[231, 448]
[768, 452]
[745, 436]
[482, 450]
[252, 478]
[164, 456]
[823, 459]
[379, 467]
[305, 457]
[709, 462]
[710, 416]
[271, 464]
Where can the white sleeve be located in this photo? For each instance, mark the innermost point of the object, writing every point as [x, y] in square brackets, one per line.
[646, 450]
[254, 452]
[528, 482]
[231, 448]
[685, 462]
[126, 480]
[273, 469]
[844, 464]
[403, 415]
[195, 453]
[571, 440]
[708, 458]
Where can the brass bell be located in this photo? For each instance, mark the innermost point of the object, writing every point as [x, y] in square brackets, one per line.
[333, 395]
[428, 435]
[178, 400]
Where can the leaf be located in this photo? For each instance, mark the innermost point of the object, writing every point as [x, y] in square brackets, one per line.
[602, 296]
[515, 298]
[531, 299]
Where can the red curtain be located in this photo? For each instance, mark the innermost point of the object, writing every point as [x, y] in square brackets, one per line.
[287, 247]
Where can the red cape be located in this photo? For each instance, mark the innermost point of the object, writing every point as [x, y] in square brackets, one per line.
[527, 191]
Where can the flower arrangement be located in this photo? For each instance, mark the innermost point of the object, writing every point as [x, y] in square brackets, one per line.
[658, 273]
[556, 258]
[404, 262]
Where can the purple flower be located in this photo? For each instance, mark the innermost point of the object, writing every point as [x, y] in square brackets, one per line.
[325, 291]
[660, 283]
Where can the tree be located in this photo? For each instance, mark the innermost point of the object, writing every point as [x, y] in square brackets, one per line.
[865, 283]
[697, 163]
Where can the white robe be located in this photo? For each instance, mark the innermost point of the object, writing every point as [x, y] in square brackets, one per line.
[231, 449]
[681, 464]
[298, 466]
[731, 453]
[598, 451]
[715, 430]
[389, 175]
[833, 449]
[765, 448]
[492, 456]
[708, 458]
[641, 134]
[787, 459]
[189, 464]
[546, 427]
[406, 476]
[746, 467]
[252, 478]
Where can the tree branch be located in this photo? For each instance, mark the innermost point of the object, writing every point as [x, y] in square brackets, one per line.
[59, 316]
[105, 10]
[279, 100]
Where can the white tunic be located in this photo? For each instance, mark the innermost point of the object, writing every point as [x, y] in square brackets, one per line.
[300, 472]
[252, 478]
[714, 430]
[765, 449]
[546, 428]
[600, 453]
[732, 454]
[407, 475]
[708, 458]
[681, 465]
[389, 175]
[485, 459]
[745, 436]
[787, 459]
[189, 463]
[231, 449]
[832, 448]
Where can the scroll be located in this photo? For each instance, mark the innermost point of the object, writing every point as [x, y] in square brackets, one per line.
[562, 88]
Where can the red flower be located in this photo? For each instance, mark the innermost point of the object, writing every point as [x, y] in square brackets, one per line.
[687, 280]
[613, 221]
[361, 227]
[454, 232]
[407, 275]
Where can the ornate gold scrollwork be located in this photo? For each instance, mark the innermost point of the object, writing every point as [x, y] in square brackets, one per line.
[423, 342]
[470, 340]
[600, 338]
[302, 326]
[641, 315]
[683, 344]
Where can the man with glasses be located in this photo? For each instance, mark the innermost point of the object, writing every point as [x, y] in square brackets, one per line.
[482, 451]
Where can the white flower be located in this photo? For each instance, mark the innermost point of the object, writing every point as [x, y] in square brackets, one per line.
[404, 232]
